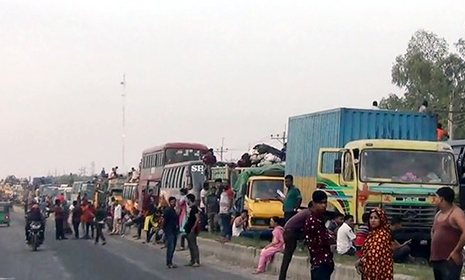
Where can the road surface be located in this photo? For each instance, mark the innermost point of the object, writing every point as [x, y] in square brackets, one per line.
[82, 259]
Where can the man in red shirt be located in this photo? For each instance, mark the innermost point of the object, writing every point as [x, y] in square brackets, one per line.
[318, 239]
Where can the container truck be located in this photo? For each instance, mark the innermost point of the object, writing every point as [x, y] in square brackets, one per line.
[372, 158]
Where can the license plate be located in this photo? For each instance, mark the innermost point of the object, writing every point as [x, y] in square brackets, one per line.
[424, 242]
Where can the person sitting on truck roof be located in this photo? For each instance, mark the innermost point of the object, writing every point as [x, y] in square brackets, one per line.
[441, 134]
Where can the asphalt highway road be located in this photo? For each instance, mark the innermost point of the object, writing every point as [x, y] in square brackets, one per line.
[119, 259]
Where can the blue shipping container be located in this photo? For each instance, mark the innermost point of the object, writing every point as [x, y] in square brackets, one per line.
[335, 128]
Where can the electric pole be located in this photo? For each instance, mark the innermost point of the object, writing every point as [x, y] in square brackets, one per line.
[123, 95]
[92, 168]
[222, 150]
[282, 138]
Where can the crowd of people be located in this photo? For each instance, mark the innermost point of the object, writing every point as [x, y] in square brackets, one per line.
[374, 243]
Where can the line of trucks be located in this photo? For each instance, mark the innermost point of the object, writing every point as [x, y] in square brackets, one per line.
[361, 158]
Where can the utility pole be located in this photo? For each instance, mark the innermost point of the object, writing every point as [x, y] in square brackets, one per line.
[82, 171]
[282, 138]
[222, 150]
[123, 95]
[92, 168]
[450, 119]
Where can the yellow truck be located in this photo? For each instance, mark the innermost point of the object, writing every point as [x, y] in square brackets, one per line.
[256, 190]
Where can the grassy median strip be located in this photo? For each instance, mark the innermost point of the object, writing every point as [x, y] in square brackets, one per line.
[421, 272]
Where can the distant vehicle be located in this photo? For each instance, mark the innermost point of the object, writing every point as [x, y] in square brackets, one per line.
[82, 188]
[5, 213]
[48, 190]
[155, 159]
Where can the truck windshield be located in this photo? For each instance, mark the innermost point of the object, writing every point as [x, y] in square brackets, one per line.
[266, 190]
[399, 166]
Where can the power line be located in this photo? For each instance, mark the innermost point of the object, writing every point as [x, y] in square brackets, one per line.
[281, 138]
[222, 150]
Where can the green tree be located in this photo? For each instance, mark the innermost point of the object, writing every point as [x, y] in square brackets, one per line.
[429, 71]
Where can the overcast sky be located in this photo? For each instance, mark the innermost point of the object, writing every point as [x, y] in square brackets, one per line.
[196, 71]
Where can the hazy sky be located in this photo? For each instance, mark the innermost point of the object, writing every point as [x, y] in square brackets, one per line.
[196, 71]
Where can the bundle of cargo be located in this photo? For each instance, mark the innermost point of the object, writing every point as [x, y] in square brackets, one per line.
[261, 155]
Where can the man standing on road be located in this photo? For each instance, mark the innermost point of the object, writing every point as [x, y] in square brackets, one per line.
[192, 229]
[293, 231]
[225, 215]
[100, 216]
[292, 200]
[212, 209]
[203, 205]
[171, 230]
[447, 237]
[117, 216]
[76, 218]
[318, 239]
[60, 234]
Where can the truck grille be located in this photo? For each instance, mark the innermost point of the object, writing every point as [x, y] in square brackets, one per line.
[413, 216]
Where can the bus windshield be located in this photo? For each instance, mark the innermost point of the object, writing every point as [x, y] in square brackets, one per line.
[401, 166]
[182, 155]
[266, 190]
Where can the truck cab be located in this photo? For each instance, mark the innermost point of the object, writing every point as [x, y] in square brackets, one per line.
[399, 176]
[261, 200]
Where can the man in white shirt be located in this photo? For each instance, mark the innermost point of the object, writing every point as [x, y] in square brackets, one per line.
[374, 105]
[117, 216]
[225, 215]
[240, 224]
[346, 237]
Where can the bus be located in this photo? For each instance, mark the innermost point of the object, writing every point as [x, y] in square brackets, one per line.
[188, 175]
[155, 159]
[129, 194]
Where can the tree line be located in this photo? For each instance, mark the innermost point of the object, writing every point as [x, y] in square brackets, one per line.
[430, 71]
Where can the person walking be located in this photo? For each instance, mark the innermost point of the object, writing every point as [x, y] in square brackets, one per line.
[100, 216]
[171, 230]
[59, 233]
[76, 218]
[276, 245]
[447, 237]
[377, 261]
[293, 231]
[318, 239]
[192, 229]
[292, 200]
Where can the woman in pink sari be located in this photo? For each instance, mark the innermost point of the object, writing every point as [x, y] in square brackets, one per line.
[276, 245]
